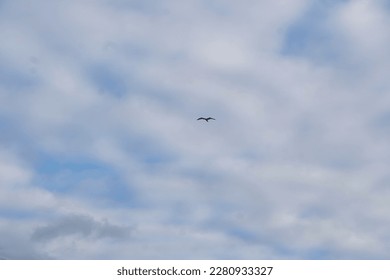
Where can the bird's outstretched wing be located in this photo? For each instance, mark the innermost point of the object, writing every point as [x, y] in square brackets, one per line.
[201, 119]
[209, 118]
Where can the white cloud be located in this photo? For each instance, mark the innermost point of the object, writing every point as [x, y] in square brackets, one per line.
[365, 23]
[293, 154]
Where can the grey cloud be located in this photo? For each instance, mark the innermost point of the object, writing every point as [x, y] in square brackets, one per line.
[79, 225]
[15, 244]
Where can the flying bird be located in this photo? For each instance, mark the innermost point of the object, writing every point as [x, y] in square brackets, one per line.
[206, 119]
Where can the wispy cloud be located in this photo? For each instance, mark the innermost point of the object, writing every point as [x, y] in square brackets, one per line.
[101, 156]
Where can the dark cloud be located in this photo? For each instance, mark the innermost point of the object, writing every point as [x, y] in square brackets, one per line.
[15, 245]
[79, 225]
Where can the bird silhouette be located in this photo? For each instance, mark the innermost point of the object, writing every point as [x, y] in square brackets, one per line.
[206, 119]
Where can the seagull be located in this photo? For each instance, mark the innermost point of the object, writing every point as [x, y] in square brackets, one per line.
[206, 119]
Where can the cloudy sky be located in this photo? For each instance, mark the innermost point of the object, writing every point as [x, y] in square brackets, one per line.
[101, 155]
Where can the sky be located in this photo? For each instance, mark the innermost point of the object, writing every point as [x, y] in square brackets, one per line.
[101, 155]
